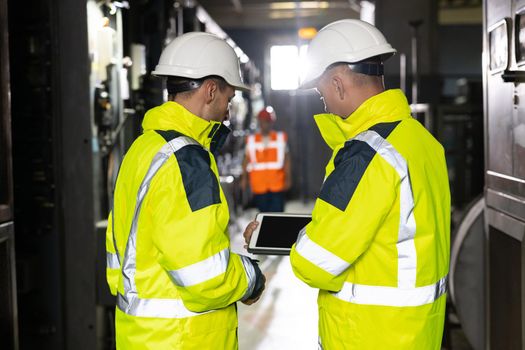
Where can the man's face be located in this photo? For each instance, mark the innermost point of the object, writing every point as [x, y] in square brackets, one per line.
[220, 108]
[265, 126]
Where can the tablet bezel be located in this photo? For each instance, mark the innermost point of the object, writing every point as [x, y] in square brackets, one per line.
[255, 249]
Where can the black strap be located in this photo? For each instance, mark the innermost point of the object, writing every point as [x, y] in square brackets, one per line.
[367, 68]
[174, 88]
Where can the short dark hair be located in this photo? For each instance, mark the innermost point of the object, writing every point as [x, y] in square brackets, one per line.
[187, 86]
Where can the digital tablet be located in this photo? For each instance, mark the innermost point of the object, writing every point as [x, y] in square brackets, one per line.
[277, 232]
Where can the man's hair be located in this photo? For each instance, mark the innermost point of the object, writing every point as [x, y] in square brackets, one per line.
[186, 87]
[360, 79]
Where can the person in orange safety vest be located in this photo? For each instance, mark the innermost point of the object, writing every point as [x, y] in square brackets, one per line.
[267, 164]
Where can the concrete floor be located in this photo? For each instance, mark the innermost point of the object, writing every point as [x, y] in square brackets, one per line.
[286, 315]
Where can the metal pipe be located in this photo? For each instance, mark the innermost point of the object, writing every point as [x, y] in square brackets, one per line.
[414, 59]
[403, 72]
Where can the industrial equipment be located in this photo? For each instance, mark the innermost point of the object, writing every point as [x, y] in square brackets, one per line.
[8, 301]
[504, 106]
[467, 272]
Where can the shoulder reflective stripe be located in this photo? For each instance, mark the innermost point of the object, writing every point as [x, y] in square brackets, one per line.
[112, 261]
[159, 308]
[318, 255]
[406, 249]
[179, 142]
[130, 303]
[130, 255]
[392, 296]
[251, 276]
[202, 271]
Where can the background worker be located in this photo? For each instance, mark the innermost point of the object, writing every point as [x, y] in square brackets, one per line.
[169, 258]
[267, 164]
[378, 243]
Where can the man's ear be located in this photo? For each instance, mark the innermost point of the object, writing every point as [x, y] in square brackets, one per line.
[338, 86]
[210, 89]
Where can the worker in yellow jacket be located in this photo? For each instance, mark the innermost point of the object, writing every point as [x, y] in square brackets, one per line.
[168, 252]
[378, 243]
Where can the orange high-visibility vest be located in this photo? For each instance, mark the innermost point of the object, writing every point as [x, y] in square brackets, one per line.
[266, 164]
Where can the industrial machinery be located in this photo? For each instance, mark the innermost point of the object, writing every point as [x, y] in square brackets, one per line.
[504, 99]
[78, 76]
[8, 303]
[467, 272]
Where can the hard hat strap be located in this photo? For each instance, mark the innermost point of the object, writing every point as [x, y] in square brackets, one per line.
[177, 86]
[367, 68]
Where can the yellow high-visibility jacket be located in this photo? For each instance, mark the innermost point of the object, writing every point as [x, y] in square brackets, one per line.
[378, 244]
[168, 251]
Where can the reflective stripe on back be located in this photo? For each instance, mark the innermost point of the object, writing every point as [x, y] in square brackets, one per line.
[161, 308]
[129, 302]
[391, 296]
[406, 249]
[406, 293]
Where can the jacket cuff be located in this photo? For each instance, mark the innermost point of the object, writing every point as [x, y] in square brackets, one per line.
[251, 276]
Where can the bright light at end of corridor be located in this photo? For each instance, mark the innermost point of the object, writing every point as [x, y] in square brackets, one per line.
[287, 63]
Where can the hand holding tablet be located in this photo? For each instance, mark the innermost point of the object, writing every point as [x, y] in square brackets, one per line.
[275, 233]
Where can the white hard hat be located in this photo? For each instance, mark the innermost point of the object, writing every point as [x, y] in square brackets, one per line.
[197, 55]
[347, 40]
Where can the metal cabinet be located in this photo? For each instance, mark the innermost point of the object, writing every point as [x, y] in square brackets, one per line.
[504, 107]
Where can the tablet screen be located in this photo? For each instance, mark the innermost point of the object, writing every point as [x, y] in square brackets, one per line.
[280, 231]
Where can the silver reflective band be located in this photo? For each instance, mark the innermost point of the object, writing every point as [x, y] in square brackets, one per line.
[406, 249]
[250, 276]
[130, 303]
[202, 271]
[391, 296]
[160, 308]
[318, 255]
[112, 261]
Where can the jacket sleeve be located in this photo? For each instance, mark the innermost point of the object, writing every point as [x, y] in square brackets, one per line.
[190, 220]
[353, 203]
[112, 259]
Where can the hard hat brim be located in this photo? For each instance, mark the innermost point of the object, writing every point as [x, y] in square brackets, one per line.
[164, 72]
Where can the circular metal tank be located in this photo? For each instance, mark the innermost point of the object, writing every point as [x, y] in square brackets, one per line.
[467, 277]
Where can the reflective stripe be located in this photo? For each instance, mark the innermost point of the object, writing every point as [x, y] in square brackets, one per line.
[264, 166]
[112, 261]
[130, 303]
[406, 293]
[406, 249]
[251, 276]
[161, 308]
[253, 146]
[113, 235]
[202, 271]
[391, 296]
[318, 255]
